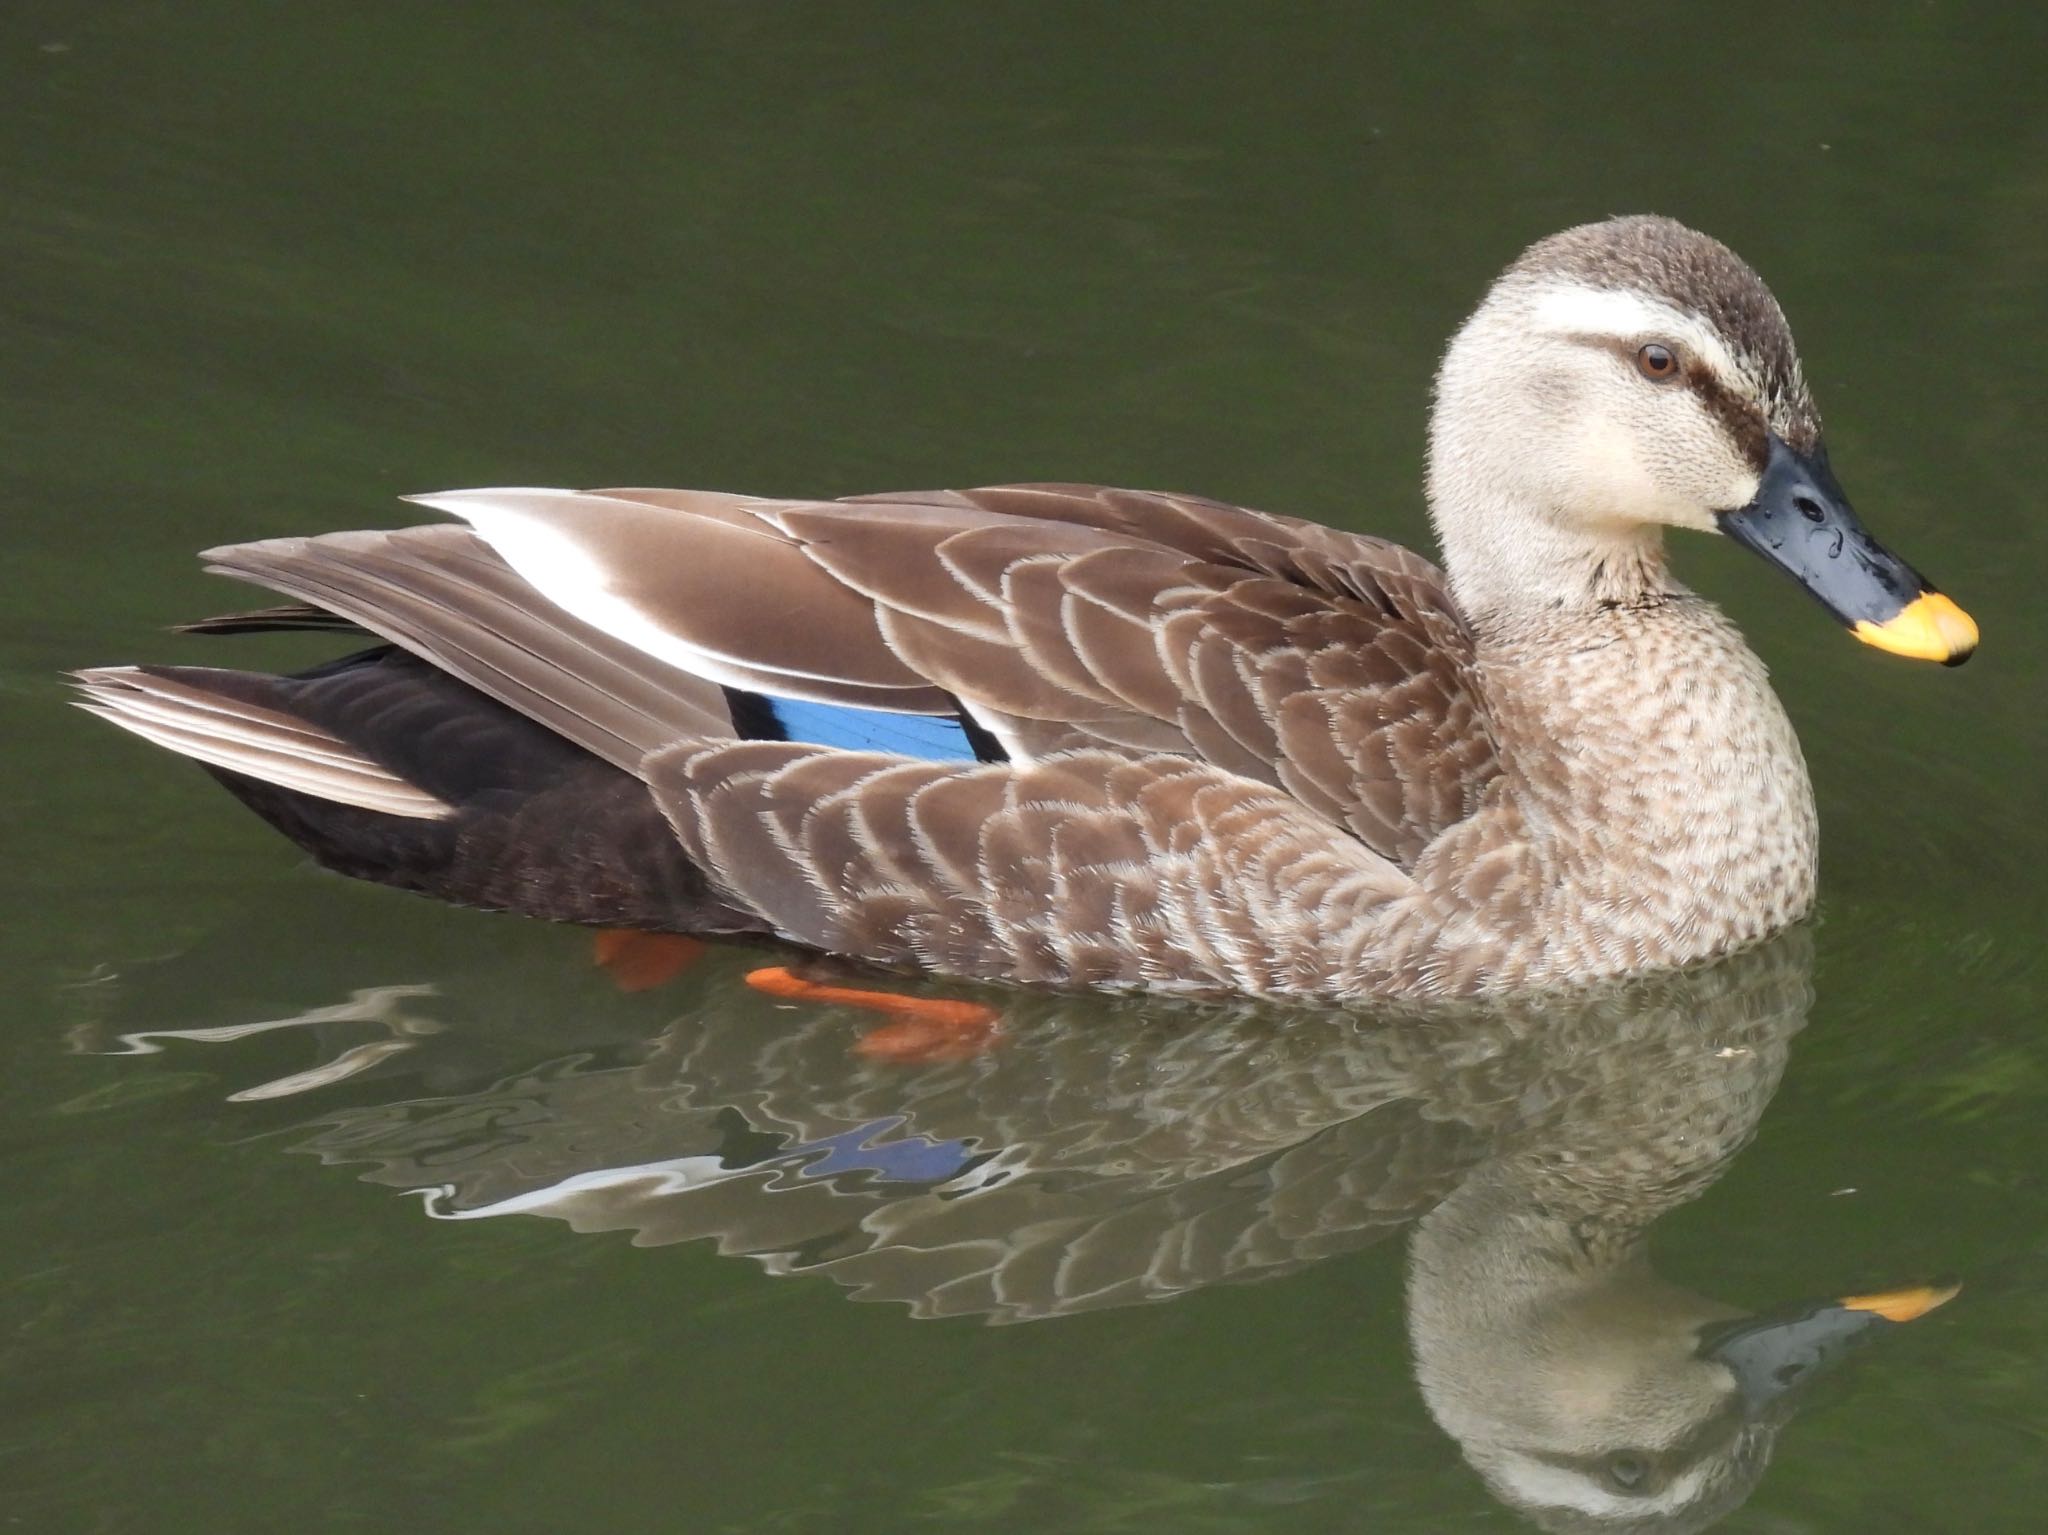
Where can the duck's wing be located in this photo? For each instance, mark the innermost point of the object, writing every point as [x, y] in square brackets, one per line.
[443, 594]
[1332, 666]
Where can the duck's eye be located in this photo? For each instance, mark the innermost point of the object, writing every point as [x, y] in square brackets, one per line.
[1657, 362]
[1628, 1472]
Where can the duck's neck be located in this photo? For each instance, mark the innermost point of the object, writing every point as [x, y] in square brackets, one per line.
[1494, 1258]
[1513, 566]
[1651, 775]
[1525, 1320]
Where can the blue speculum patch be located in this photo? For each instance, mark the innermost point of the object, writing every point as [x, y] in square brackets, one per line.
[931, 737]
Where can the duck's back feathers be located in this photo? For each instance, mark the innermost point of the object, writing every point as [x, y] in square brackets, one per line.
[1329, 665]
[1052, 733]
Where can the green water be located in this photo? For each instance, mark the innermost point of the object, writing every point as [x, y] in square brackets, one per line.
[263, 268]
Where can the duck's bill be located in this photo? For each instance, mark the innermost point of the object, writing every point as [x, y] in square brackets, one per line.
[1801, 522]
[1774, 1355]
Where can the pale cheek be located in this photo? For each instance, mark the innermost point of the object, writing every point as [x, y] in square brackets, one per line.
[1614, 482]
[1647, 471]
[1728, 490]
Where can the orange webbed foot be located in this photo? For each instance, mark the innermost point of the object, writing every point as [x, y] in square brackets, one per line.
[925, 1028]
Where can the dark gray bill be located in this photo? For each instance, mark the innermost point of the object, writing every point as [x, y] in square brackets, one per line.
[1779, 1352]
[1802, 522]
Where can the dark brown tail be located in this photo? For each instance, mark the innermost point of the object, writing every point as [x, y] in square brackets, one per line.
[385, 769]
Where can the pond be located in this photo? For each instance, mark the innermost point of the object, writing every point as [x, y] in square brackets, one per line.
[330, 1208]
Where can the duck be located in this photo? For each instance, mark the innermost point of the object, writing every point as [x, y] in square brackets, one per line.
[1086, 737]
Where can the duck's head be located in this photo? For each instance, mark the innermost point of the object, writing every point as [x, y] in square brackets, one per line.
[1637, 1406]
[1633, 375]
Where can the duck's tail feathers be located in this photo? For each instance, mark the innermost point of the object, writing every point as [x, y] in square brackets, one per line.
[211, 717]
[384, 768]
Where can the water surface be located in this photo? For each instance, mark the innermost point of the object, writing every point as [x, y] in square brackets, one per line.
[265, 269]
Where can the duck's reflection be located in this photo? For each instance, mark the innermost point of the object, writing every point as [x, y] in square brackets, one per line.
[1105, 1154]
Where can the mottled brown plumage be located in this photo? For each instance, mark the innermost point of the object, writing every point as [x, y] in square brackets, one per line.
[1232, 751]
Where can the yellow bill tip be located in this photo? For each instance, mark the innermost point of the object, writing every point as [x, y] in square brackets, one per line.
[1929, 628]
[1907, 1305]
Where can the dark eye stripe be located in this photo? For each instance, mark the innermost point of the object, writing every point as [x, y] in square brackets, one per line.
[1739, 417]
